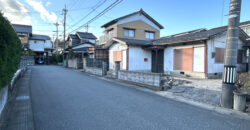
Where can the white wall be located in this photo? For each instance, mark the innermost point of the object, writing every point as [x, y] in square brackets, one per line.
[38, 46]
[219, 42]
[116, 47]
[136, 59]
[48, 44]
[168, 59]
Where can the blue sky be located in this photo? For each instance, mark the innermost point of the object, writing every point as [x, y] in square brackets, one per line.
[175, 15]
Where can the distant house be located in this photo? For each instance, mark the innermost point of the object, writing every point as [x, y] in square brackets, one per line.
[199, 53]
[81, 43]
[23, 32]
[41, 45]
[126, 38]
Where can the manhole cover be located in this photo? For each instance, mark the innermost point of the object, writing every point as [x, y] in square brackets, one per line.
[22, 98]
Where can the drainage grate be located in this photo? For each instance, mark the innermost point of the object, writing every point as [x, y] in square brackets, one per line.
[22, 98]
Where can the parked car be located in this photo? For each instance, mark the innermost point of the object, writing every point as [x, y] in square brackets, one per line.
[39, 60]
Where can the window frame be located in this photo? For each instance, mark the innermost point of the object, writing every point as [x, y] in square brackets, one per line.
[151, 35]
[129, 30]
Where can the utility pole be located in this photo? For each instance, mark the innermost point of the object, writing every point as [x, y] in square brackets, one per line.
[230, 59]
[87, 28]
[64, 26]
[56, 24]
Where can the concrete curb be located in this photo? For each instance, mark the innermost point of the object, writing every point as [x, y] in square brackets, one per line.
[219, 110]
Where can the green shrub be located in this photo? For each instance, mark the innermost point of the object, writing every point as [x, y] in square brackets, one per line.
[56, 58]
[10, 51]
[71, 54]
[242, 81]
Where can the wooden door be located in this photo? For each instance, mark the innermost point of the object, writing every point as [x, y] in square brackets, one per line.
[157, 65]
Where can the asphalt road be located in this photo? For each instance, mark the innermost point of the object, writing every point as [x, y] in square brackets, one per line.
[67, 99]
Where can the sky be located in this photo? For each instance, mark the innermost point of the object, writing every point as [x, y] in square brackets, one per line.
[176, 16]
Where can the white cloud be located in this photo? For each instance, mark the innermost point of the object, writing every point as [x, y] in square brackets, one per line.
[44, 13]
[48, 3]
[15, 12]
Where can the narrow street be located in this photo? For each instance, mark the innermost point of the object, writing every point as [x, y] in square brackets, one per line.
[68, 99]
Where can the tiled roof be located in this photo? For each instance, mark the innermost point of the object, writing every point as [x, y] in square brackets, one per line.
[86, 35]
[83, 49]
[137, 12]
[39, 37]
[22, 28]
[73, 36]
[200, 34]
[135, 41]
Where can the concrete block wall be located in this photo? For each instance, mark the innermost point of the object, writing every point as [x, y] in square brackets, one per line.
[94, 70]
[26, 60]
[152, 80]
[72, 63]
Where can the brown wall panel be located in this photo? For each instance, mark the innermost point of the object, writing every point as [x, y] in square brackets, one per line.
[183, 59]
[187, 59]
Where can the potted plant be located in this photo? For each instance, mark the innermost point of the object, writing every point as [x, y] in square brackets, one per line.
[242, 88]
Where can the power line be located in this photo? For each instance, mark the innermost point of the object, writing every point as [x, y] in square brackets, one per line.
[99, 15]
[94, 8]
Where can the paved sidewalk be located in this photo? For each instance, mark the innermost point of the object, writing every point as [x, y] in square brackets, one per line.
[17, 114]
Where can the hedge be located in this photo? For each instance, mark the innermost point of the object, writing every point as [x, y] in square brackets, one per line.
[10, 51]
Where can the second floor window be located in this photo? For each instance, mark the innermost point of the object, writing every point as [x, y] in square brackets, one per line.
[110, 34]
[129, 32]
[149, 35]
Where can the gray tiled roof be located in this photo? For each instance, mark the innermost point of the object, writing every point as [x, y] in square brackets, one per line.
[135, 41]
[73, 36]
[137, 12]
[82, 49]
[39, 37]
[22, 28]
[86, 35]
[200, 34]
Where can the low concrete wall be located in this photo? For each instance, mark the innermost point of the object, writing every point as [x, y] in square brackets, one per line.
[72, 63]
[94, 70]
[151, 80]
[26, 61]
[6, 91]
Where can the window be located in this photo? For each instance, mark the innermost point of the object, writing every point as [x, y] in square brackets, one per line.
[110, 34]
[219, 55]
[149, 35]
[129, 32]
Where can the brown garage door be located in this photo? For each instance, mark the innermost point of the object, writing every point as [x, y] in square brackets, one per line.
[183, 59]
[117, 56]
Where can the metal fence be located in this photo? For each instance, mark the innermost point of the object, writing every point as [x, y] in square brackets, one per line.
[91, 62]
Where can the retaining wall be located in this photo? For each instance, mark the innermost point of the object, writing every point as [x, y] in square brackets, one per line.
[72, 63]
[6, 91]
[151, 80]
[94, 70]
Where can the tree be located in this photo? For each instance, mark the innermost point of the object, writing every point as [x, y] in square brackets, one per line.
[10, 51]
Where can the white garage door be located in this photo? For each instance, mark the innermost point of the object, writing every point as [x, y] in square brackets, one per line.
[199, 61]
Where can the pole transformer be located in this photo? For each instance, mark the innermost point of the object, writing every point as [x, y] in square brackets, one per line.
[230, 59]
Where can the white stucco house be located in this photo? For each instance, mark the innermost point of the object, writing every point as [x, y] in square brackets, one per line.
[127, 38]
[200, 53]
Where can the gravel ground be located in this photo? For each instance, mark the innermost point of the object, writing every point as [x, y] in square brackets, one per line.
[205, 91]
